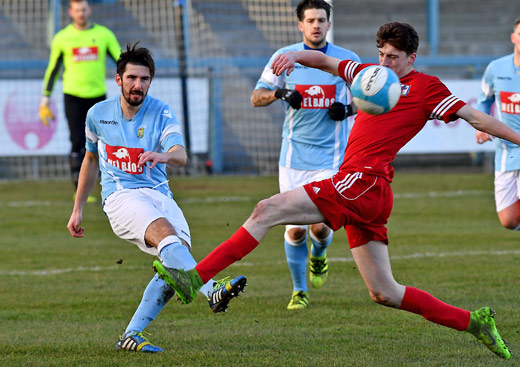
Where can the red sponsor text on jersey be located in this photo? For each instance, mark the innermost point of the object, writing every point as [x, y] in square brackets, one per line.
[85, 53]
[317, 96]
[510, 102]
[125, 159]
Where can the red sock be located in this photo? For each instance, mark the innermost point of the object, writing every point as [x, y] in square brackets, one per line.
[233, 249]
[434, 310]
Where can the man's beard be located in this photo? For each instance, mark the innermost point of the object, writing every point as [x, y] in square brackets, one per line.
[129, 99]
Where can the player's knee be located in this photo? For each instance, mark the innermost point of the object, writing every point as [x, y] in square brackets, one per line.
[320, 231]
[296, 234]
[261, 210]
[510, 223]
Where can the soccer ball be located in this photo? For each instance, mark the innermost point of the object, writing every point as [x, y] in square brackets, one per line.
[376, 89]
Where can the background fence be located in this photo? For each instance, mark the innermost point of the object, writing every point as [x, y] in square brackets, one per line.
[226, 45]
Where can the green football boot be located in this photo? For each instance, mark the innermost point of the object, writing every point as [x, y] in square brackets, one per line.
[319, 270]
[186, 284]
[482, 325]
[299, 300]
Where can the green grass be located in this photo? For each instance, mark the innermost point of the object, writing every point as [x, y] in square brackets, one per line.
[64, 301]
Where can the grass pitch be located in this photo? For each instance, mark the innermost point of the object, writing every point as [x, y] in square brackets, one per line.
[65, 301]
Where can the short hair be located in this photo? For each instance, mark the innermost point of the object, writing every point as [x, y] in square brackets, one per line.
[400, 35]
[77, 1]
[136, 56]
[312, 4]
[516, 23]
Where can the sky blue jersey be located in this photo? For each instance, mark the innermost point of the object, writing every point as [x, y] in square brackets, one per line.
[501, 84]
[310, 139]
[119, 143]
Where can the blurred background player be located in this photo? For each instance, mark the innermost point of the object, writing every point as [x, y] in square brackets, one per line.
[135, 136]
[359, 197]
[81, 48]
[314, 137]
[501, 84]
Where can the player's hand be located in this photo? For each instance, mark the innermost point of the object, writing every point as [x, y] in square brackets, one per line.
[481, 137]
[283, 62]
[46, 115]
[74, 225]
[153, 157]
[291, 96]
[339, 112]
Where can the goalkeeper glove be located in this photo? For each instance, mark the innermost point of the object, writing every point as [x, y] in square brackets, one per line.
[45, 112]
[293, 97]
[338, 111]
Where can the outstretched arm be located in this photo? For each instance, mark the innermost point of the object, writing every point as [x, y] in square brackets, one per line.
[87, 179]
[488, 124]
[313, 59]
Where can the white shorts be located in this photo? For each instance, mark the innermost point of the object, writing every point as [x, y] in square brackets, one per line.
[290, 178]
[507, 188]
[131, 211]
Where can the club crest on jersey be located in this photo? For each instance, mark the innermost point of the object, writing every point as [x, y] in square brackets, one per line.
[85, 53]
[510, 102]
[124, 158]
[405, 89]
[317, 96]
[140, 132]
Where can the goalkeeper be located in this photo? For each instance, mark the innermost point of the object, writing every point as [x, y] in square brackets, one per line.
[82, 48]
[314, 137]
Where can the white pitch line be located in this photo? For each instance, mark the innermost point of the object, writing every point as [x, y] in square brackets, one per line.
[35, 203]
[96, 269]
[231, 199]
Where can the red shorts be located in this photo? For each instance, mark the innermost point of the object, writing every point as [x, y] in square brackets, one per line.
[358, 201]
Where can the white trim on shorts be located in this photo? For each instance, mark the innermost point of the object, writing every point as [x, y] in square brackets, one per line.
[131, 211]
[507, 188]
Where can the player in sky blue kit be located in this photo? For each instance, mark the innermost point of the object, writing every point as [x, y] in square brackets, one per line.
[131, 138]
[501, 84]
[317, 113]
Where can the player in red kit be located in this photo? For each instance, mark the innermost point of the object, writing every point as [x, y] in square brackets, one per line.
[359, 197]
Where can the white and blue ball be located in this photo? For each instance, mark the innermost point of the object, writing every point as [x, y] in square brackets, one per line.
[376, 89]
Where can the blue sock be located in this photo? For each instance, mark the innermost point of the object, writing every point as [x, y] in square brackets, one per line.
[175, 255]
[155, 297]
[319, 247]
[297, 261]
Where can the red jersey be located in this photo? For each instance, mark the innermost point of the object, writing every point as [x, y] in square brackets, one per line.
[375, 139]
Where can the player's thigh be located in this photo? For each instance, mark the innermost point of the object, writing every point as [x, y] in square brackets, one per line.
[132, 211]
[290, 207]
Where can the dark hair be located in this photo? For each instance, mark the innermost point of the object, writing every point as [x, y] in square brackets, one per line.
[136, 56]
[517, 22]
[312, 4]
[400, 35]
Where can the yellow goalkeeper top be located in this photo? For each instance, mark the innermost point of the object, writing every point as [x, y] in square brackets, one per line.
[83, 54]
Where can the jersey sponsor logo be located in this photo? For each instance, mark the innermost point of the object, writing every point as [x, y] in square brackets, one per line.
[124, 158]
[106, 122]
[317, 96]
[510, 102]
[86, 53]
[405, 89]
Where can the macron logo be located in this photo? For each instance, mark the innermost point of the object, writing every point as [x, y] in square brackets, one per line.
[167, 113]
[316, 190]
